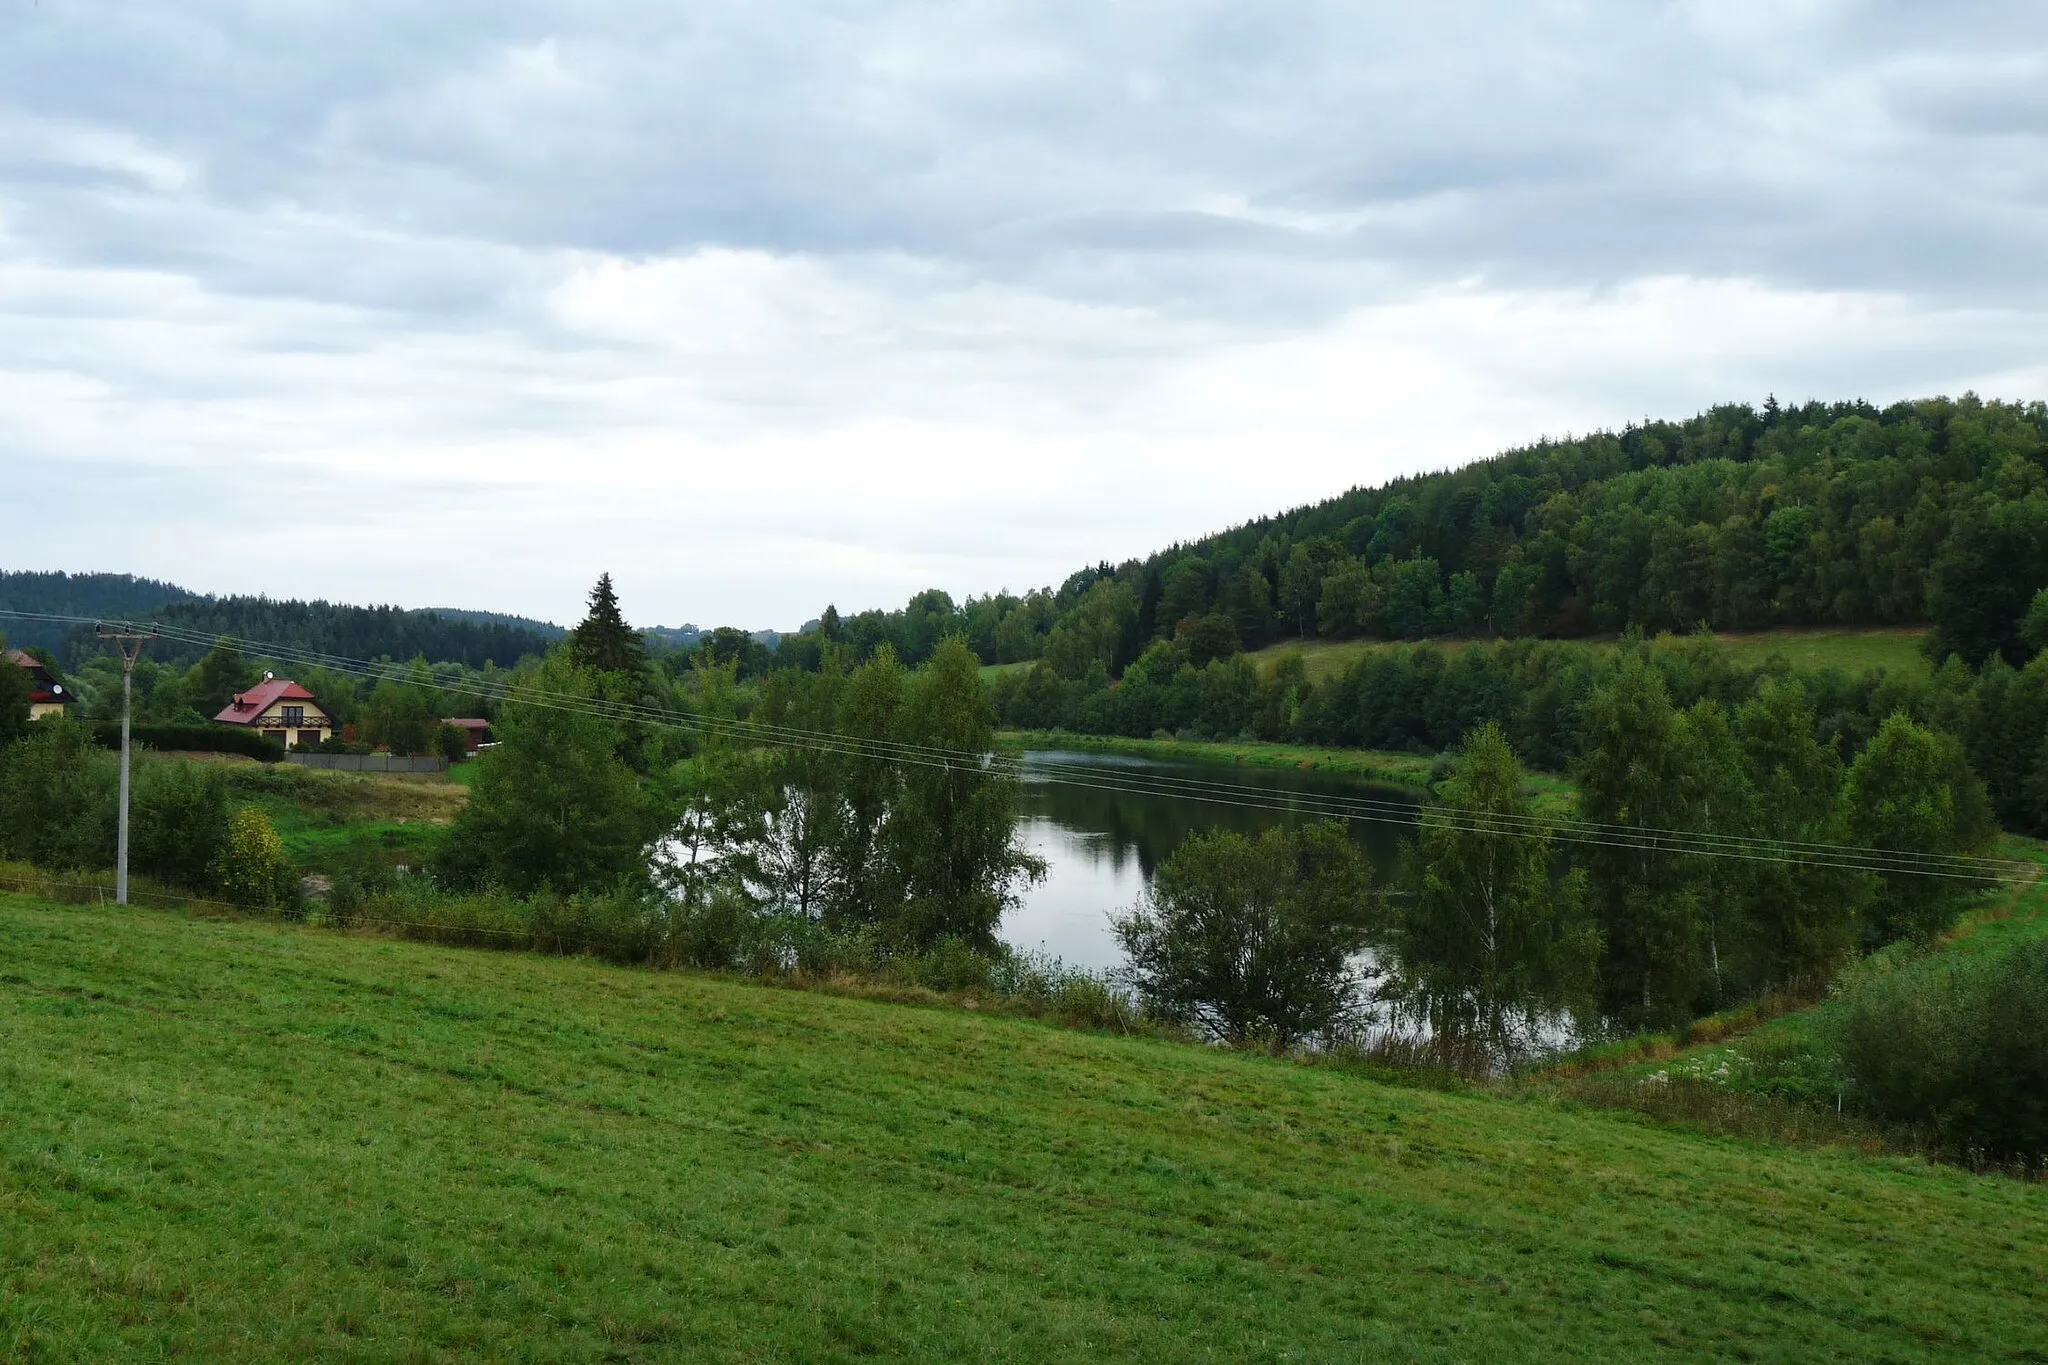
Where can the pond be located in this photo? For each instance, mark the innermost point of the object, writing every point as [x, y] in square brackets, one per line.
[1104, 823]
[1109, 820]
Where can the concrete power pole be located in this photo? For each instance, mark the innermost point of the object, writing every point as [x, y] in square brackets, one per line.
[127, 638]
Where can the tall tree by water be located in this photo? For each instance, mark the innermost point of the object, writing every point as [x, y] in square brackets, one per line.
[1633, 772]
[1488, 930]
[1911, 791]
[951, 832]
[1802, 919]
[1255, 939]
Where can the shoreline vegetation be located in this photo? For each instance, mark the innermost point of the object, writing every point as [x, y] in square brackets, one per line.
[1551, 792]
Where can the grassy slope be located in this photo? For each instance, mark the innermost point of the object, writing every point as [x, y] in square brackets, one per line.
[1793, 1045]
[1896, 649]
[324, 817]
[243, 1140]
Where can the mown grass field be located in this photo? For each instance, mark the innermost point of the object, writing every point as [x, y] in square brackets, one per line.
[1896, 649]
[238, 1140]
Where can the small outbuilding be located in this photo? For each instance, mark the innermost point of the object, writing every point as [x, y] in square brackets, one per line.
[282, 710]
[475, 732]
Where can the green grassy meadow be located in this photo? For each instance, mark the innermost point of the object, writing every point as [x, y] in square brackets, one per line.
[1895, 649]
[328, 818]
[228, 1139]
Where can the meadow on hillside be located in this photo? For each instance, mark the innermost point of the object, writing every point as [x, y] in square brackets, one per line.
[242, 1140]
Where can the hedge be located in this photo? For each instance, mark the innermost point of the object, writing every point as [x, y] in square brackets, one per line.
[218, 739]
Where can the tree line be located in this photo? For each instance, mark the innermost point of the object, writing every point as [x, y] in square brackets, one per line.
[1498, 918]
[1424, 698]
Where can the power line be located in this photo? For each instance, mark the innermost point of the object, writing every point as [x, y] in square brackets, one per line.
[1341, 806]
[1697, 843]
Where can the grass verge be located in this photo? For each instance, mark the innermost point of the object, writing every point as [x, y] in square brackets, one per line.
[1766, 1067]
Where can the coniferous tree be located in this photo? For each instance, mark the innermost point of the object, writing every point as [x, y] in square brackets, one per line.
[604, 642]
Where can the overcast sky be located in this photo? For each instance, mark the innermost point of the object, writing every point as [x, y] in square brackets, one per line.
[762, 305]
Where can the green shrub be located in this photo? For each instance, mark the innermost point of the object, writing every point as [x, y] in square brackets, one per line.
[252, 867]
[205, 739]
[1958, 1049]
[58, 796]
[179, 822]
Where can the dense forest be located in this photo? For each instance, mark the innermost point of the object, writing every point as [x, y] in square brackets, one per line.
[470, 638]
[117, 595]
[1740, 518]
[355, 632]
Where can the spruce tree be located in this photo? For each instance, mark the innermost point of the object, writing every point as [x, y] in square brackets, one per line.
[604, 641]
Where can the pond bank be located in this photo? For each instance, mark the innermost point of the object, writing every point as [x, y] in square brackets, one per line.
[1551, 792]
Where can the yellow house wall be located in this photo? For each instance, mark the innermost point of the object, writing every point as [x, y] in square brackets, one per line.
[272, 719]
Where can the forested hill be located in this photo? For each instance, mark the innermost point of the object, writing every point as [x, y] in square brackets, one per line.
[1824, 514]
[116, 595]
[357, 632]
[1741, 518]
[470, 638]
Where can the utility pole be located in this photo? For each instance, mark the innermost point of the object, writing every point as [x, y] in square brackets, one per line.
[128, 638]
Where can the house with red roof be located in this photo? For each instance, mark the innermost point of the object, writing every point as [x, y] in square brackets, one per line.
[281, 710]
[47, 696]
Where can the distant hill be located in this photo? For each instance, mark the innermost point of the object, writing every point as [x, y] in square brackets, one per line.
[669, 638]
[357, 632]
[1929, 513]
[497, 618]
[76, 594]
[451, 635]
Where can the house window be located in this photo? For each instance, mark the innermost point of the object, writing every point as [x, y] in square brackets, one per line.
[294, 715]
[308, 738]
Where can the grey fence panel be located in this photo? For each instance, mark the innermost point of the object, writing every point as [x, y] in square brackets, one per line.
[368, 763]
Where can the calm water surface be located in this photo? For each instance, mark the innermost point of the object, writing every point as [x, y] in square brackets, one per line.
[1101, 847]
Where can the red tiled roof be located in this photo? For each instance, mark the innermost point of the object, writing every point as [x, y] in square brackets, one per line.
[247, 706]
[46, 688]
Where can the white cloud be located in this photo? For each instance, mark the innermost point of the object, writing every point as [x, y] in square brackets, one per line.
[762, 307]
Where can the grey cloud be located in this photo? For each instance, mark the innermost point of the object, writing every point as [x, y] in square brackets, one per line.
[260, 232]
[1000, 137]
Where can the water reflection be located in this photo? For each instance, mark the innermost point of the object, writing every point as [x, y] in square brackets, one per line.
[1102, 846]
